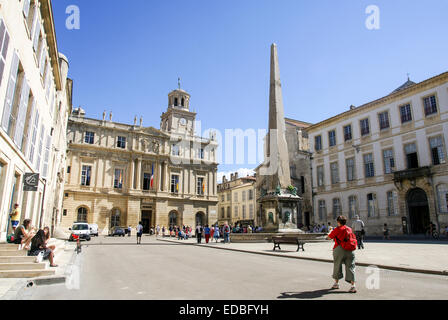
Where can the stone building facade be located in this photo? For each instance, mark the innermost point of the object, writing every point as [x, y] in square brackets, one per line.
[35, 102]
[385, 161]
[237, 200]
[120, 174]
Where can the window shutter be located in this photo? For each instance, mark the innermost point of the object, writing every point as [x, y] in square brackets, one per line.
[29, 129]
[10, 92]
[36, 30]
[26, 7]
[46, 157]
[4, 43]
[21, 115]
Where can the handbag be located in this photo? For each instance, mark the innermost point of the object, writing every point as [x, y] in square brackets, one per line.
[10, 238]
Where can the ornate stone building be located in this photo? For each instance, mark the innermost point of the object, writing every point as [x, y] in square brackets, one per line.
[121, 174]
[35, 103]
[237, 200]
[386, 160]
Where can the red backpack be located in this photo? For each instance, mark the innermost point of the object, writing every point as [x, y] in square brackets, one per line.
[349, 243]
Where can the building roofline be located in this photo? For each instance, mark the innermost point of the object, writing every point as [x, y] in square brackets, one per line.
[46, 11]
[393, 96]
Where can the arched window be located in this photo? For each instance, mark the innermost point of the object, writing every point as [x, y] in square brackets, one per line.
[82, 215]
[115, 218]
[176, 102]
[442, 193]
[183, 102]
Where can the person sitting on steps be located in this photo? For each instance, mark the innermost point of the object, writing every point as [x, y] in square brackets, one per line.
[23, 235]
[38, 245]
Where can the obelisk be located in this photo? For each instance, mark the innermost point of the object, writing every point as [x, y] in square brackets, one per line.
[277, 148]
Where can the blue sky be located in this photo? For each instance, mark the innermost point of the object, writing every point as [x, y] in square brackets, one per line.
[127, 56]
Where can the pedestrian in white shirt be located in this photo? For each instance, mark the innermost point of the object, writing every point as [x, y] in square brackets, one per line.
[358, 229]
[139, 232]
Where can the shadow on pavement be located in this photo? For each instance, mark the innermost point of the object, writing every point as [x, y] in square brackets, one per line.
[309, 294]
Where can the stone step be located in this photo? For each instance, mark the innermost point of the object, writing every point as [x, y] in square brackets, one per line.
[13, 253]
[22, 266]
[26, 273]
[8, 246]
[19, 259]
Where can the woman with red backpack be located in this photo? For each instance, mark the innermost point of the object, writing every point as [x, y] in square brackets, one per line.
[345, 245]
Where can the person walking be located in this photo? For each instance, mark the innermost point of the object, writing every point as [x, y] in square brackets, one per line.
[216, 234]
[212, 231]
[343, 253]
[386, 235]
[226, 232]
[158, 231]
[199, 233]
[358, 229]
[207, 233]
[129, 231]
[15, 217]
[139, 233]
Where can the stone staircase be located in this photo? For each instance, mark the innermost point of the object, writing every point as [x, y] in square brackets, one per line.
[15, 263]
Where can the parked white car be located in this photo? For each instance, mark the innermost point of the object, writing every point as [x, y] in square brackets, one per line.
[80, 229]
[93, 230]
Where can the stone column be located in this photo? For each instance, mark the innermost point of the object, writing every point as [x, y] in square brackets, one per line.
[165, 177]
[132, 178]
[139, 175]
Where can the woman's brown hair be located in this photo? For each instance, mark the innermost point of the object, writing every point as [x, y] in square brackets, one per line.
[342, 220]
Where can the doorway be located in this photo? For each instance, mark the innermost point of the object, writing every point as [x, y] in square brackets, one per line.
[200, 219]
[418, 207]
[307, 219]
[146, 220]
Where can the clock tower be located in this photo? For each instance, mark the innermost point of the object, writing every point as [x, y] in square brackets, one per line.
[178, 118]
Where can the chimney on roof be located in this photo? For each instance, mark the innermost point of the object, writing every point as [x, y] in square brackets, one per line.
[231, 177]
[352, 107]
[236, 175]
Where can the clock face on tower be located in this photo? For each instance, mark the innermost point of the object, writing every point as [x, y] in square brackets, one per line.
[183, 122]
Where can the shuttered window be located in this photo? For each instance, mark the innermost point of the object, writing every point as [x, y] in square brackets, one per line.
[34, 137]
[21, 113]
[4, 43]
[9, 100]
[26, 8]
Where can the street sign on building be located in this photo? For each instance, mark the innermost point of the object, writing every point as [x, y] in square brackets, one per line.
[31, 182]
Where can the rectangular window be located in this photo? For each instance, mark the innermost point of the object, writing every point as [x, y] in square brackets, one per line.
[320, 176]
[10, 93]
[251, 211]
[369, 166]
[352, 207]
[118, 178]
[121, 142]
[437, 150]
[228, 213]
[235, 197]
[244, 212]
[46, 157]
[40, 148]
[350, 165]
[411, 155]
[251, 194]
[371, 205]
[200, 188]
[405, 113]
[322, 210]
[332, 138]
[348, 133]
[243, 195]
[174, 183]
[318, 143]
[86, 174]
[34, 137]
[389, 161]
[4, 44]
[334, 173]
[384, 120]
[175, 150]
[392, 203]
[146, 181]
[22, 109]
[35, 32]
[201, 153]
[236, 211]
[302, 184]
[365, 127]
[90, 137]
[430, 105]
[228, 196]
[26, 8]
[69, 169]
[337, 210]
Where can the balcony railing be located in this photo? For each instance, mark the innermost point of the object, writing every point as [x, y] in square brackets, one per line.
[412, 173]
